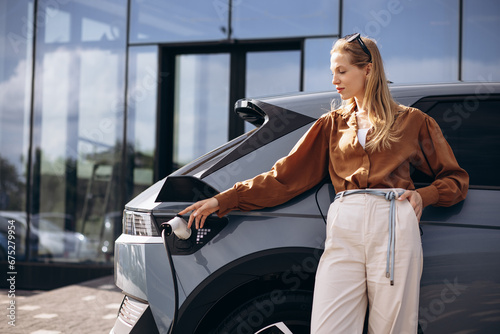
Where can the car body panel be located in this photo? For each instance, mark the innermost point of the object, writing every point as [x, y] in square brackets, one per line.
[255, 162]
[130, 259]
[242, 236]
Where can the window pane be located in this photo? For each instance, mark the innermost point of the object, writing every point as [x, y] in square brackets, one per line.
[317, 74]
[141, 120]
[201, 105]
[481, 44]
[470, 124]
[15, 98]
[280, 18]
[271, 73]
[418, 40]
[78, 130]
[173, 20]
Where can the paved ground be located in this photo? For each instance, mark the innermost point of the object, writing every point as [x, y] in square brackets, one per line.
[89, 307]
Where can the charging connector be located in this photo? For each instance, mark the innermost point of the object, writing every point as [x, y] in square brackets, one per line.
[178, 226]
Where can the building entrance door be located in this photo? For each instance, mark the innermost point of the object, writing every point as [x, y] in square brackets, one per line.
[198, 100]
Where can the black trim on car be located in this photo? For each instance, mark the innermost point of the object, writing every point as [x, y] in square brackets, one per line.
[185, 188]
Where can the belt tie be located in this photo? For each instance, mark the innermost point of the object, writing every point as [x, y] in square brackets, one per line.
[391, 196]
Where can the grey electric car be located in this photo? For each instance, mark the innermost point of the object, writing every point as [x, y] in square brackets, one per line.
[253, 272]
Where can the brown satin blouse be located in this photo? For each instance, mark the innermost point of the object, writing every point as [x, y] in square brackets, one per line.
[331, 147]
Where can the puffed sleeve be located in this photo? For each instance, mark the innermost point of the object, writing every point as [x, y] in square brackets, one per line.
[304, 167]
[450, 181]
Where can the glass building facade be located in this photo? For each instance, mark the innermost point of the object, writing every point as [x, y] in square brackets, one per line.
[100, 99]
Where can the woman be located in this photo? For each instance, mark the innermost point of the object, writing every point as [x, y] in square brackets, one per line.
[373, 253]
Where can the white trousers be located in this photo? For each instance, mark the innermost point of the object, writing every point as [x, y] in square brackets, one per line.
[352, 271]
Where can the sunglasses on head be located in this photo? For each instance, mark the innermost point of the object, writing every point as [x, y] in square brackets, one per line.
[357, 37]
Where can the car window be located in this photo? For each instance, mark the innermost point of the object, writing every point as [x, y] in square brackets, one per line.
[471, 126]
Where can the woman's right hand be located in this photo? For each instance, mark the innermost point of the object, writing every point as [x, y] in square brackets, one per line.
[201, 210]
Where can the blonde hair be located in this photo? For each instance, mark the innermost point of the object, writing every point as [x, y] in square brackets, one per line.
[377, 101]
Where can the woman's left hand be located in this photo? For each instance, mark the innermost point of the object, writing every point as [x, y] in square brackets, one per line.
[415, 200]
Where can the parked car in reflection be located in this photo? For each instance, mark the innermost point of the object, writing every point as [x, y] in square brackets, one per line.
[110, 231]
[252, 272]
[48, 239]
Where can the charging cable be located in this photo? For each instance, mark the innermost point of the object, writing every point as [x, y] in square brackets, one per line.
[322, 183]
[178, 226]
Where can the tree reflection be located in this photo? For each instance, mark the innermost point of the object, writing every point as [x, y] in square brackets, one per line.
[12, 188]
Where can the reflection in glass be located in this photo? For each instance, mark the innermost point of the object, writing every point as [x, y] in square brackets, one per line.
[15, 99]
[201, 104]
[93, 30]
[418, 40]
[173, 20]
[57, 24]
[141, 120]
[280, 18]
[77, 131]
[481, 41]
[272, 73]
[317, 74]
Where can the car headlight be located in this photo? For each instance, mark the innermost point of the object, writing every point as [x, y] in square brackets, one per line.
[139, 223]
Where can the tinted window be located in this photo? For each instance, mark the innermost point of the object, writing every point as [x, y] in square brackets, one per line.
[471, 127]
